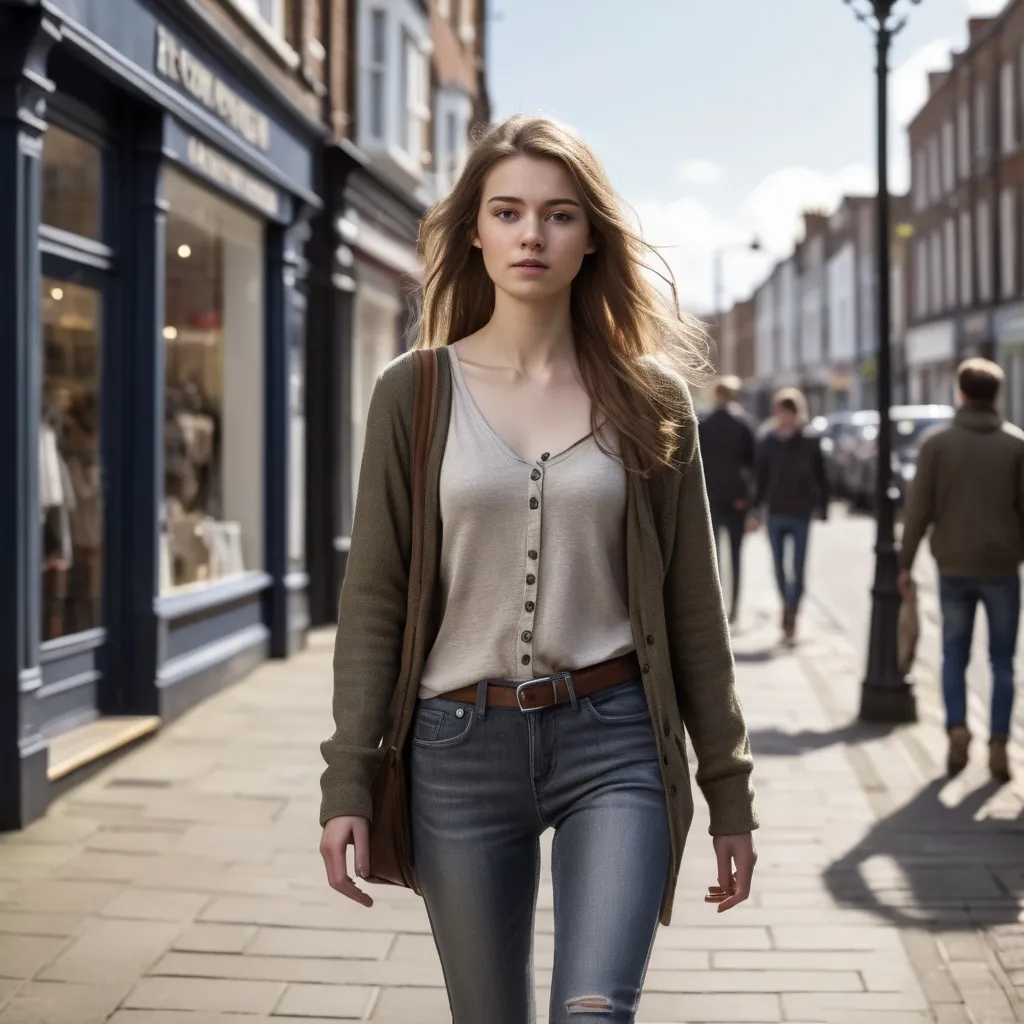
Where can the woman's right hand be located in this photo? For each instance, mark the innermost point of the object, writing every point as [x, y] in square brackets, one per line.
[334, 844]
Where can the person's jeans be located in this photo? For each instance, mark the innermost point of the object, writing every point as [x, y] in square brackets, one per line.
[959, 597]
[797, 529]
[484, 784]
[725, 516]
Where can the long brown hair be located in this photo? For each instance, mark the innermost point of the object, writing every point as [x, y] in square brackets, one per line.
[627, 334]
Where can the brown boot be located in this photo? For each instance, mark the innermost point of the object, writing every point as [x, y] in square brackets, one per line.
[789, 625]
[959, 741]
[998, 762]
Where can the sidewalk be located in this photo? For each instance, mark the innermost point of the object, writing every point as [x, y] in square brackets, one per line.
[183, 884]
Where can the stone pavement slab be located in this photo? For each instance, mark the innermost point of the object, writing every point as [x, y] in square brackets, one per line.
[182, 884]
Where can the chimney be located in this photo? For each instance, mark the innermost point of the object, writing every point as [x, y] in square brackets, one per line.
[936, 80]
[977, 27]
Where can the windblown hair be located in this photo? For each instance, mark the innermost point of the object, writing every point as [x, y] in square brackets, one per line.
[793, 400]
[635, 347]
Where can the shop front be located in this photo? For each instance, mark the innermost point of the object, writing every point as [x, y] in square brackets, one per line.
[1008, 326]
[155, 194]
[362, 295]
[931, 362]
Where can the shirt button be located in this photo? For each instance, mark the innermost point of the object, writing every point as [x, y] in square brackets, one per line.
[527, 636]
[530, 580]
[672, 789]
[534, 503]
[530, 606]
[526, 659]
[532, 555]
[650, 638]
[647, 668]
[545, 457]
[535, 475]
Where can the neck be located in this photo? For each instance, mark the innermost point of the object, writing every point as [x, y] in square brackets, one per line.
[530, 335]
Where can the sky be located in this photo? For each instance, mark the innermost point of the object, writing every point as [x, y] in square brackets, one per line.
[718, 121]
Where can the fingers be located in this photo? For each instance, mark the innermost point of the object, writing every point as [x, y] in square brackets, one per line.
[361, 842]
[723, 853]
[334, 850]
[741, 881]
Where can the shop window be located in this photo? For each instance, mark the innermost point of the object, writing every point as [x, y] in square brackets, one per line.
[70, 477]
[415, 90]
[71, 183]
[378, 71]
[213, 414]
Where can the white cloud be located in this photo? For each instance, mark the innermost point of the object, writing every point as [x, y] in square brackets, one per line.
[984, 8]
[700, 172]
[688, 233]
[908, 84]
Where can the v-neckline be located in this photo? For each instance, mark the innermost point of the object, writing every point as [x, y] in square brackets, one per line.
[463, 387]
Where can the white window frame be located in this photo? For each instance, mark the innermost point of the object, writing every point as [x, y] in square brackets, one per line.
[983, 227]
[920, 278]
[1007, 108]
[920, 182]
[963, 131]
[981, 140]
[1008, 242]
[377, 74]
[414, 96]
[966, 260]
[467, 22]
[948, 157]
[934, 168]
[949, 254]
[936, 294]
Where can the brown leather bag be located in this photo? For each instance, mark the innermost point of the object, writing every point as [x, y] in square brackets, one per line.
[390, 843]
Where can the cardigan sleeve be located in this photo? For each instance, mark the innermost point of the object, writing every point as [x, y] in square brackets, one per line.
[701, 654]
[372, 609]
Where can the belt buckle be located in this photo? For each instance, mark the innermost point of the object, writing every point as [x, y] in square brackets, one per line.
[552, 679]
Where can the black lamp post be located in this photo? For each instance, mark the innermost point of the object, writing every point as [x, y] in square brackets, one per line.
[754, 245]
[886, 695]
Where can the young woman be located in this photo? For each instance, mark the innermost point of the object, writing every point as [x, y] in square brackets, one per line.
[576, 623]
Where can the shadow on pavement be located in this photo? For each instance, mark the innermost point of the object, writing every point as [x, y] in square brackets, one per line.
[933, 863]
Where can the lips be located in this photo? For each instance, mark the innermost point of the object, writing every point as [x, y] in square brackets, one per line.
[531, 263]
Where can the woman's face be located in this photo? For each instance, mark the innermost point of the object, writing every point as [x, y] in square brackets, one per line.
[532, 228]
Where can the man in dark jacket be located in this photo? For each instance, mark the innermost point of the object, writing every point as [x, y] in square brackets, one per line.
[791, 486]
[727, 448]
[969, 488]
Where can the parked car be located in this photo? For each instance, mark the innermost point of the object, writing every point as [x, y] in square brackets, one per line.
[841, 436]
[909, 424]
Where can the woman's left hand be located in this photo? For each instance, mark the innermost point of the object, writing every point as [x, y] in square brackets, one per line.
[733, 882]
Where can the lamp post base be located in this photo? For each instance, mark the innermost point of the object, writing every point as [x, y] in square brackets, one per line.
[893, 703]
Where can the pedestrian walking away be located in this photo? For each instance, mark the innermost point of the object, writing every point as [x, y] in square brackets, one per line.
[792, 487]
[969, 493]
[543, 633]
[727, 448]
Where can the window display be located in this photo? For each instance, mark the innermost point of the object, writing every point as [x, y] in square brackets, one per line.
[71, 183]
[213, 408]
[70, 476]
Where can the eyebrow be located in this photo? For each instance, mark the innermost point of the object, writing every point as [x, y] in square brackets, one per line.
[520, 202]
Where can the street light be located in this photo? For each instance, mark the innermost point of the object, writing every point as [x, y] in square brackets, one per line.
[754, 245]
[886, 695]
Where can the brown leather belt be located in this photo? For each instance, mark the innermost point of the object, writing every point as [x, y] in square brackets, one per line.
[546, 691]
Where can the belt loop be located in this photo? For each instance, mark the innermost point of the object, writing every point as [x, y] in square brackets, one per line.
[481, 699]
[567, 676]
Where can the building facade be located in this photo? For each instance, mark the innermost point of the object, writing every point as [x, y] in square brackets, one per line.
[157, 173]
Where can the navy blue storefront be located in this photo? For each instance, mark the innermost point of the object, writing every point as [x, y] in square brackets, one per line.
[155, 199]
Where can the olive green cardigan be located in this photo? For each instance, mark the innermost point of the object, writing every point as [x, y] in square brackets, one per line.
[675, 601]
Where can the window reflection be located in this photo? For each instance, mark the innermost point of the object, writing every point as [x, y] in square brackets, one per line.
[70, 476]
[71, 183]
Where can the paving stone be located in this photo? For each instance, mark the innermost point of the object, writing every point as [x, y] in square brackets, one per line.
[21, 956]
[226, 996]
[157, 905]
[112, 948]
[27, 923]
[348, 1002]
[708, 1009]
[300, 942]
[215, 938]
[823, 939]
[64, 897]
[55, 1002]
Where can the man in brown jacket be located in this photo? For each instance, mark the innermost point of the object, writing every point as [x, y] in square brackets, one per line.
[969, 489]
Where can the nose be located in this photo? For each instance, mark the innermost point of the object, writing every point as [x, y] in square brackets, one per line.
[532, 236]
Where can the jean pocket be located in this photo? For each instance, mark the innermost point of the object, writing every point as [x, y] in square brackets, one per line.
[620, 704]
[441, 725]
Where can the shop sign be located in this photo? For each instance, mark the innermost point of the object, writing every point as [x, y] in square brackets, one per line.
[231, 177]
[931, 343]
[179, 65]
[1009, 324]
[975, 327]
